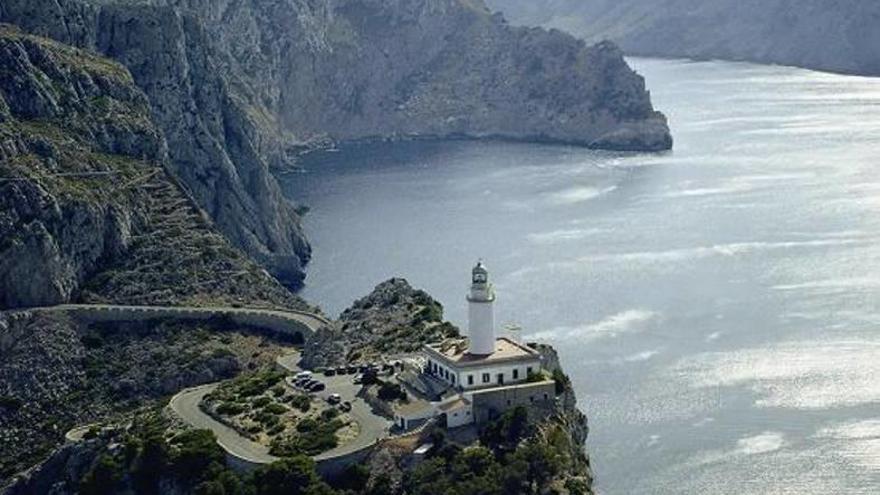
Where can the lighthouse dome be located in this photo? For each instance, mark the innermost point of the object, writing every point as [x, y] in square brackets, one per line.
[480, 274]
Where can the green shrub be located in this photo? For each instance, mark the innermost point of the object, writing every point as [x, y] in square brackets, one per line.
[103, 477]
[276, 408]
[506, 432]
[194, 451]
[301, 402]
[562, 381]
[261, 401]
[92, 340]
[312, 438]
[391, 391]
[11, 403]
[294, 475]
[230, 409]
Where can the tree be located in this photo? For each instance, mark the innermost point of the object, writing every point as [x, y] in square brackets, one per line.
[194, 451]
[504, 433]
[104, 476]
[294, 475]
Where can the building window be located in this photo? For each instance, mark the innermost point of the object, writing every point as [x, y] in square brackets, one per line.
[531, 398]
[546, 397]
[500, 378]
[508, 402]
[529, 370]
[486, 377]
[516, 374]
[470, 379]
[453, 379]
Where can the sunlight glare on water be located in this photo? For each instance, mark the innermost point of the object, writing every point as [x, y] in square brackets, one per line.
[716, 306]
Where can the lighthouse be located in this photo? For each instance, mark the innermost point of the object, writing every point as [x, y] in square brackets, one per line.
[481, 313]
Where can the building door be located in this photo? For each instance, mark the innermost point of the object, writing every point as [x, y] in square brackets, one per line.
[500, 378]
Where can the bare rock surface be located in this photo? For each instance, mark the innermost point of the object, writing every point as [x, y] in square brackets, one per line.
[392, 319]
[240, 87]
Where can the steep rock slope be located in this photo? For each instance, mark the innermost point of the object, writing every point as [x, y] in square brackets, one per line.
[85, 199]
[355, 69]
[838, 36]
[220, 140]
[393, 318]
[238, 87]
[57, 373]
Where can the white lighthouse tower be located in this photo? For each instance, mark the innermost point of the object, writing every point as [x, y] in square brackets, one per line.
[481, 313]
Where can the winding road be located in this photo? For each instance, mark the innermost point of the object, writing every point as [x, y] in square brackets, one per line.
[371, 428]
[185, 404]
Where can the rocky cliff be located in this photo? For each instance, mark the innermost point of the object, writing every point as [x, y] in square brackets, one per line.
[238, 87]
[392, 319]
[838, 36]
[87, 209]
[57, 373]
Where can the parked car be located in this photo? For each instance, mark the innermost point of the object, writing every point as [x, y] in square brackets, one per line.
[387, 368]
[329, 372]
[345, 406]
[341, 370]
[303, 374]
[334, 399]
[316, 387]
[353, 369]
[358, 379]
[299, 382]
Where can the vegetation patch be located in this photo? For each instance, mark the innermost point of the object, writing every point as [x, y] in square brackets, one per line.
[262, 408]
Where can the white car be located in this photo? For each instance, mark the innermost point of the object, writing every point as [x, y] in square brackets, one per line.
[303, 374]
[334, 399]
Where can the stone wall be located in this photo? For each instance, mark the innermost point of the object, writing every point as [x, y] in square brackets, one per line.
[296, 325]
[538, 398]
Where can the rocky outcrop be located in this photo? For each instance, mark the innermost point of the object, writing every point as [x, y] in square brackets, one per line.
[366, 69]
[57, 373]
[839, 36]
[55, 229]
[87, 210]
[393, 318]
[238, 87]
[219, 140]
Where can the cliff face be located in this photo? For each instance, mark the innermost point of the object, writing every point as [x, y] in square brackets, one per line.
[219, 140]
[87, 210]
[355, 69]
[238, 87]
[838, 36]
[392, 319]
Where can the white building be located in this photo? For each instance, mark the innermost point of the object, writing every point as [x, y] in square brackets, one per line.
[481, 361]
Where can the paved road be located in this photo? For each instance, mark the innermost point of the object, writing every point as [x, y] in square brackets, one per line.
[186, 405]
[371, 427]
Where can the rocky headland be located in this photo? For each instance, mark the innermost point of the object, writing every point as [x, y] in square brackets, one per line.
[238, 89]
[138, 142]
[57, 373]
[394, 318]
[840, 36]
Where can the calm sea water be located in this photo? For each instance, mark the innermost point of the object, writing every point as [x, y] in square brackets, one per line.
[717, 307]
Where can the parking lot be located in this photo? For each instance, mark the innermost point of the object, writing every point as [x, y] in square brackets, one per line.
[372, 427]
